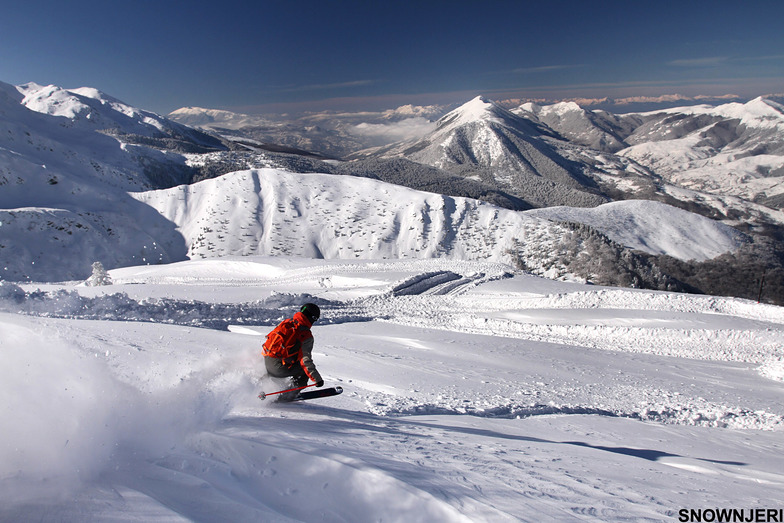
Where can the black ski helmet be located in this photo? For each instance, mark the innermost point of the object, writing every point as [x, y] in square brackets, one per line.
[311, 312]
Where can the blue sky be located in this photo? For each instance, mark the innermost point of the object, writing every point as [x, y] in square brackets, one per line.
[290, 55]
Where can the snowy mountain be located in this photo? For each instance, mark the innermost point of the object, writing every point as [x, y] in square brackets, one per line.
[54, 136]
[598, 130]
[91, 110]
[68, 160]
[216, 118]
[729, 156]
[482, 139]
[327, 134]
[74, 195]
[562, 154]
[734, 149]
[222, 119]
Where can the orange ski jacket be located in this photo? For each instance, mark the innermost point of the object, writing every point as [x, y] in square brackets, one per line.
[291, 342]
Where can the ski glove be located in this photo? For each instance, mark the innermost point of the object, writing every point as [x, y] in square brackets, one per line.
[320, 383]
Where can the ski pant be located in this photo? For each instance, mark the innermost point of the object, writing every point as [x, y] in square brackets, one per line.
[277, 369]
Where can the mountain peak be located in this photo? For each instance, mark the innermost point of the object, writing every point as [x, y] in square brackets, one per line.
[764, 106]
[90, 109]
[409, 110]
[566, 107]
[479, 109]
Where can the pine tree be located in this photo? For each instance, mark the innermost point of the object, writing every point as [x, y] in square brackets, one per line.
[99, 276]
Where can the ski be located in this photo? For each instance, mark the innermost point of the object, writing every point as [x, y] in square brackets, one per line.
[320, 393]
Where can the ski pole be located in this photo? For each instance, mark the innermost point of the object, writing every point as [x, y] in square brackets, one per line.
[263, 395]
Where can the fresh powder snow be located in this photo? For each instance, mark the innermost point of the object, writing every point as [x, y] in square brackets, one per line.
[470, 395]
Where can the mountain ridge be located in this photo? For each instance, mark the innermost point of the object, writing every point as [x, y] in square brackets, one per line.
[90, 109]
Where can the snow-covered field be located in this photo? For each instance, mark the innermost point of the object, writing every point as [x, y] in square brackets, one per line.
[470, 395]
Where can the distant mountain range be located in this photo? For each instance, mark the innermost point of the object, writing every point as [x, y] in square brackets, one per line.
[325, 135]
[85, 177]
[733, 149]
[725, 162]
[728, 160]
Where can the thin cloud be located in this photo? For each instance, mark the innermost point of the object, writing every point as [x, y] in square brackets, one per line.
[544, 69]
[384, 133]
[766, 58]
[323, 87]
[710, 61]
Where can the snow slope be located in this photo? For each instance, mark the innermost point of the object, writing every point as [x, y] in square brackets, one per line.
[339, 217]
[40, 151]
[270, 211]
[653, 227]
[470, 395]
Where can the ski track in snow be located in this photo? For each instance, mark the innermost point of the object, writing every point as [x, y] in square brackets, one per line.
[471, 395]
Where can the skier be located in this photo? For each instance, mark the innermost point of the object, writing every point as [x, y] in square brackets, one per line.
[287, 351]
